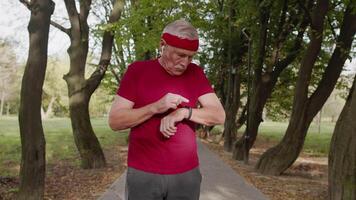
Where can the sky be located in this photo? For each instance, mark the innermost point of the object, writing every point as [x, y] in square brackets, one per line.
[14, 18]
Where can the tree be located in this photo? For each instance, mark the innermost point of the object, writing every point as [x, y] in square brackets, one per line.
[8, 74]
[81, 89]
[307, 104]
[33, 160]
[342, 155]
[232, 92]
[277, 22]
[54, 90]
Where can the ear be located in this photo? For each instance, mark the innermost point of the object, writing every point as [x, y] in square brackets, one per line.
[162, 43]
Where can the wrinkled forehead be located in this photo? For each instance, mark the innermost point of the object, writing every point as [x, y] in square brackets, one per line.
[183, 51]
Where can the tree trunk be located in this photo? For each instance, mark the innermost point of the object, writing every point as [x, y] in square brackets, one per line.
[231, 107]
[277, 159]
[342, 155]
[79, 89]
[8, 109]
[87, 143]
[33, 161]
[258, 100]
[46, 114]
[2, 103]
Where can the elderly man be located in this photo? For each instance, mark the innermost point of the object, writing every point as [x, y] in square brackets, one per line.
[158, 100]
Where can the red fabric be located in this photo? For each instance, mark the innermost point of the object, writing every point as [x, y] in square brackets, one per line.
[175, 41]
[146, 82]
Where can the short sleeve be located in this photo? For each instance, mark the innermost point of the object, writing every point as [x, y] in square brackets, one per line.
[203, 85]
[127, 87]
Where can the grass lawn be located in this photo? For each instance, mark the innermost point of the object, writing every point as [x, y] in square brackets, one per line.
[316, 144]
[59, 141]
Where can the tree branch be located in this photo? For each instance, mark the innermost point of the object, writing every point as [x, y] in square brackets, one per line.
[116, 75]
[281, 36]
[84, 9]
[332, 28]
[72, 13]
[281, 65]
[306, 10]
[26, 3]
[264, 16]
[60, 27]
[336, 62]
[242, 118]
[106, 52]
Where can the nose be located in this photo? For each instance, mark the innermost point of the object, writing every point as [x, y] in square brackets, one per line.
[186, 60]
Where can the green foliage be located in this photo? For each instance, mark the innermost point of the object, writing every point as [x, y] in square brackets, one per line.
[55, 87]
[279, 105]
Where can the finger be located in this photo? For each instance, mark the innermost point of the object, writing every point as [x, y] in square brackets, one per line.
[174, 105]
[171, 126]
[168, 133]
[171, 129]
[183, 99]
[167, 129]
[165, 135]
[161, 129]
[160, 126]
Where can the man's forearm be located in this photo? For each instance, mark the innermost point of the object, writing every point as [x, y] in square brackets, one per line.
[124, 118]
[208, 116]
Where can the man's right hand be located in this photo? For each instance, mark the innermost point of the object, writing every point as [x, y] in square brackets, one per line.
[169, 100]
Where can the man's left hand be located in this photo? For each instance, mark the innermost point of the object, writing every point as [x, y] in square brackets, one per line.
[168, 123]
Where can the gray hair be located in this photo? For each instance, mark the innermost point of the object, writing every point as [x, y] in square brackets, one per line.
[182, 29]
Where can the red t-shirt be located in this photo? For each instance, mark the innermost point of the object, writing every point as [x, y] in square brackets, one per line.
[144, 83]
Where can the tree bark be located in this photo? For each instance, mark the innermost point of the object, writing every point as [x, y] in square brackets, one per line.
[233, 85]
[342, 155]
[2, 102]
[231, 107]
[33, 161]
[277, 159]
[8, 109]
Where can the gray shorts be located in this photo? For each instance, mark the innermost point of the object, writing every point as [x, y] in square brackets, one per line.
[141, 185]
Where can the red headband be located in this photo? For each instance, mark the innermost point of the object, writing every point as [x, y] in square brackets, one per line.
[175, 41]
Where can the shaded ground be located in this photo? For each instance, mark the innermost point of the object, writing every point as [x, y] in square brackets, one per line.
[306, 180]
[65, 180]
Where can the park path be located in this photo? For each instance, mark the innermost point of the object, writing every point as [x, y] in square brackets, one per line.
[220, 182]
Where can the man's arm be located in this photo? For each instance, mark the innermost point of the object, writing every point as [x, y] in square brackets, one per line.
[122, 114]
[211, 113]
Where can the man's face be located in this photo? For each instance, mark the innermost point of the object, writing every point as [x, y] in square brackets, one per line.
[176, 60]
